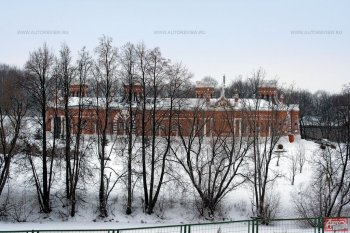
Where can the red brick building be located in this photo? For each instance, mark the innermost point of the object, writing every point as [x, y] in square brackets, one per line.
[203, 116]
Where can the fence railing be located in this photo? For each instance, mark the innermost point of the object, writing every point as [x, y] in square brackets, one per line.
[302, 225]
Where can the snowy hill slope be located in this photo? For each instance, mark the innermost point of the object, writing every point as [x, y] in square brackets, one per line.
[175, 205]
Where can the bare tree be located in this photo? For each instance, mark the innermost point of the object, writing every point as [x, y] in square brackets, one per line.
[292, 166]
[39, 85]
[301, 156]
[306, 102]
[266, 128]
[13, 108]
[142, 57]
[80, 117]
[245, 87]
[157, 69]
[105, 86]
[214, 164]
[210, 80]
[163, 83]
[128, 63]
[65, 72]
[328, 192]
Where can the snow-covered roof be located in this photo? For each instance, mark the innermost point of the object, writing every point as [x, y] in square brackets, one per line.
[190, 103]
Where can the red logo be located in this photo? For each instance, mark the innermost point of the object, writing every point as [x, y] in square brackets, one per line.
[336, 224]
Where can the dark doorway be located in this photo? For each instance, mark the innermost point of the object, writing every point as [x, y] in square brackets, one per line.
[57, 127]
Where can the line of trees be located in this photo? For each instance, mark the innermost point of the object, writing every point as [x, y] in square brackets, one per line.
[329, 191]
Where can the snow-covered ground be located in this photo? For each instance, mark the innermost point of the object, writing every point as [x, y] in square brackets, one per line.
[175, 205]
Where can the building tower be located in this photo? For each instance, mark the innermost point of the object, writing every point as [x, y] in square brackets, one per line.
[136, 90]
[204, 90]
[74, 90]
[267, 90]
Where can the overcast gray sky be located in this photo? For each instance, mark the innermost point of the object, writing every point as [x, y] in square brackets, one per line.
[302, 42]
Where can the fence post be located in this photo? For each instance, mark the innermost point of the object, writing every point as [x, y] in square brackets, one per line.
[255, 224]
[189, 229]
[320, 225]
[316, 225]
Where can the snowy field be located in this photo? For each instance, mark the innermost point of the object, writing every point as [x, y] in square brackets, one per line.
[175, 205]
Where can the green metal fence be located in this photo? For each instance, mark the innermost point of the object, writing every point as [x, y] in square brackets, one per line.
[300, 225]
[304, 225]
